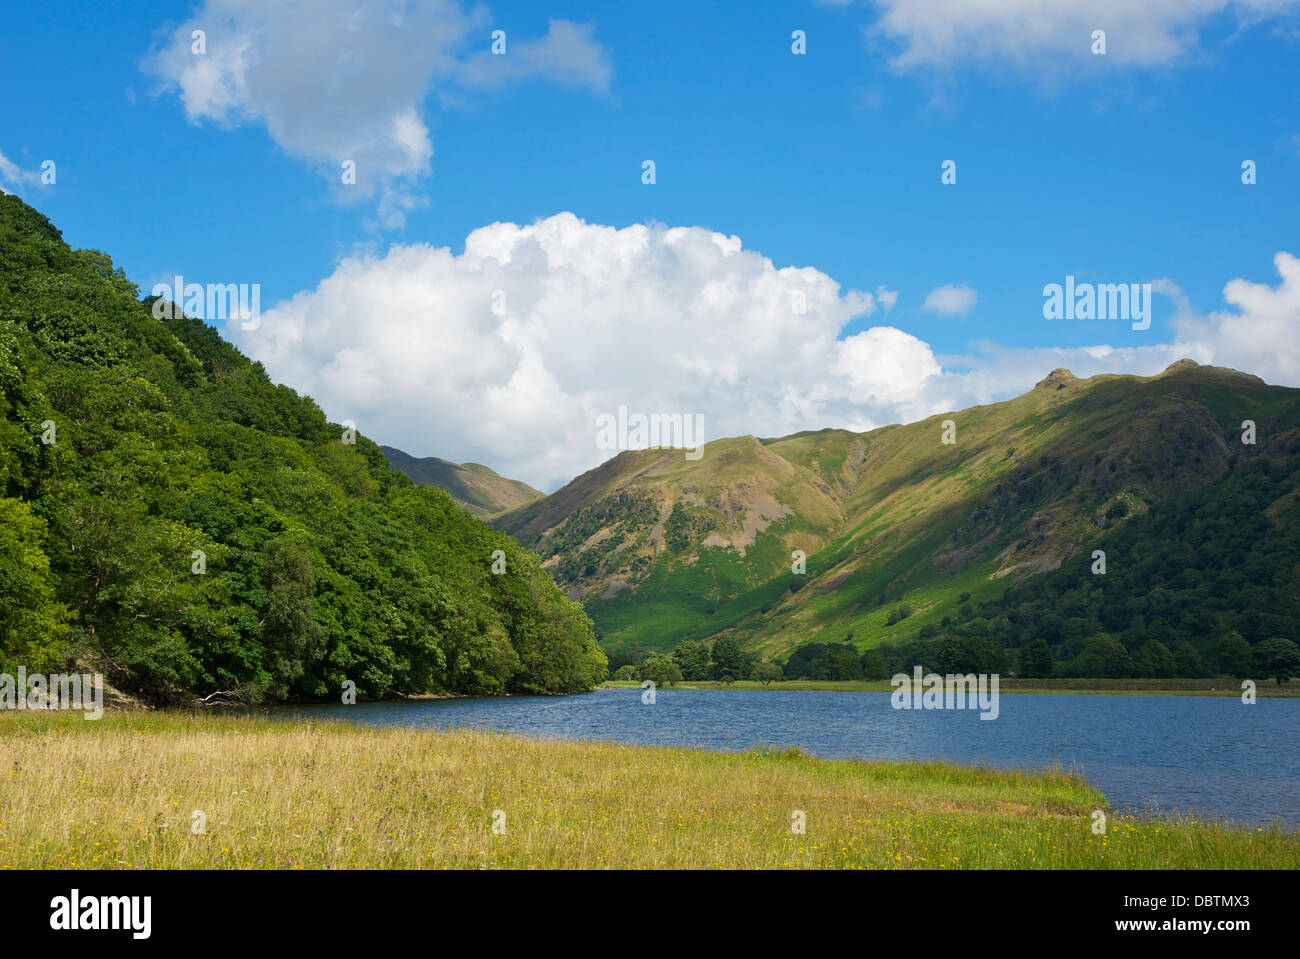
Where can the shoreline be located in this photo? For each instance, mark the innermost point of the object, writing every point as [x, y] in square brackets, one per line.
[1085, 687]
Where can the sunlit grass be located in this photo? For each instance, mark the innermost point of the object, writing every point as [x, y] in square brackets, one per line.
[121, 793]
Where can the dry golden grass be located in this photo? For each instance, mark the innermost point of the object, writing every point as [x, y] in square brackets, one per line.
[121, 793]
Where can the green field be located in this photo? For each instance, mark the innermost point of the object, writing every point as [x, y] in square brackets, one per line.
[123, 793]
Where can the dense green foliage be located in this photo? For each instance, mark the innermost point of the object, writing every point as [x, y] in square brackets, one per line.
[172, 517]
[831, 661]
[692, 661]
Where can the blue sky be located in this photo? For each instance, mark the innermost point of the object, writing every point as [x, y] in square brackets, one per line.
[1120, 168]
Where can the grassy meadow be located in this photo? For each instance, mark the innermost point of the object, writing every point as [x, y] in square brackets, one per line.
[121, 793]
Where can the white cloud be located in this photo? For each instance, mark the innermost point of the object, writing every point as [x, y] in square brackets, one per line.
[1260, 334]
[662, 320]
[333, 80]
[950, 300]
[568, 54]
[1055, 33]
[591, 318]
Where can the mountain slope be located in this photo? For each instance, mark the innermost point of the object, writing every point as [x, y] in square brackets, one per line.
[177, 521]
[1204, 583]
[479, 489]
[887, 515]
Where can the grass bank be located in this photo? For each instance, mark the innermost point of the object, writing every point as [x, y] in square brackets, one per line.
[121, 793]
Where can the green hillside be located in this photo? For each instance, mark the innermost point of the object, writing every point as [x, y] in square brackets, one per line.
[655, 544]
[1203, 583]
[479, 489]
[173, 518]
[897, 525]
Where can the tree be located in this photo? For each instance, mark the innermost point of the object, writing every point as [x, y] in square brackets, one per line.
[1277, 657]
[692, 657]
[1105, 657]
[1188, 663]
[766, 673]
[289, 628]
[1232, 655]
[32, 623]
[970, 654]
[729, 661]
[803, 662]
[839, 663]
[874, 665]
[660, 670]
[1154, 660]
[1035, 659]
[898, 614]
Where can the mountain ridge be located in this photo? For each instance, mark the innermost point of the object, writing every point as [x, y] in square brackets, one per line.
[478, 488]
[651, 542]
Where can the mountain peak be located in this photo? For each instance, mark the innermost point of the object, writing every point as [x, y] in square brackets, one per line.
[1183, 364]
[1058, 379]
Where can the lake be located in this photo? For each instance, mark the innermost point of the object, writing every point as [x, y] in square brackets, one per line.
[1203, 755]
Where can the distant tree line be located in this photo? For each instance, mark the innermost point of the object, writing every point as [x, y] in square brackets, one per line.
[1102, 657]
[722, 661]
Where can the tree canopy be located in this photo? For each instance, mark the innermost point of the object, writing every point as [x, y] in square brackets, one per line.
[172, 517]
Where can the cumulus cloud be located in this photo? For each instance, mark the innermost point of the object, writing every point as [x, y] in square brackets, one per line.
[1034, 33]
[508, 352]
[336, 81]
[950, 300]
[1260, 334]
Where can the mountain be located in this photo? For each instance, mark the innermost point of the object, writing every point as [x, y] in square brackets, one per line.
[903, 533]
[477, 488]
[175, 520]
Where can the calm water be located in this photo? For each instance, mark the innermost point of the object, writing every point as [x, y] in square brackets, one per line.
[1206, 755]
